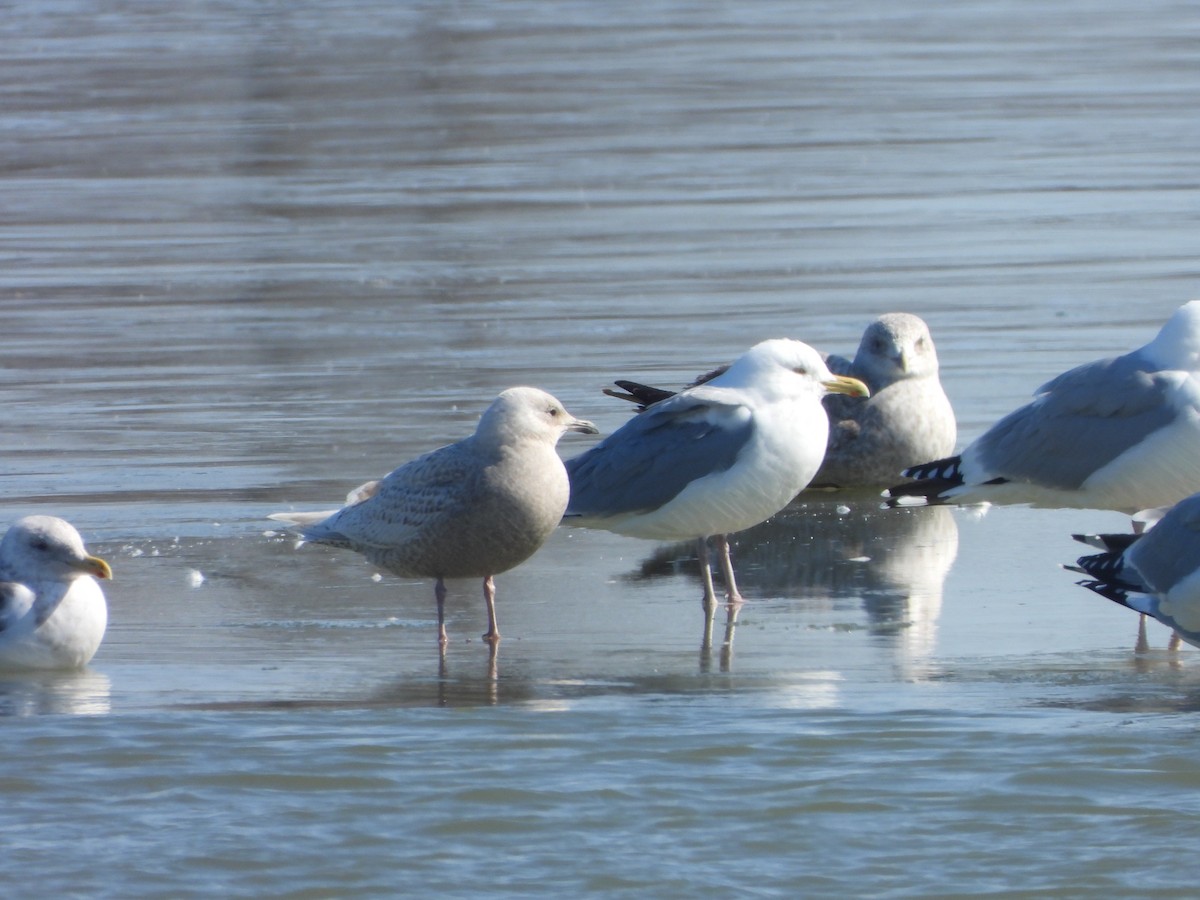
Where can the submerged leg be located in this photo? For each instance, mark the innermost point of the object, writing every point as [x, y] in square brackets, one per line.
[710, 596]
[489, 599]
[493, 670]
[439, 591]
[731, 589]
[731, 617]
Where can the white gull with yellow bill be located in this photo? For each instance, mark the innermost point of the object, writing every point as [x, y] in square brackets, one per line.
[715, 458]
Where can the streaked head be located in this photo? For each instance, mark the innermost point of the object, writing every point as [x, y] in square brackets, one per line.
[41, 547]
[893, 347]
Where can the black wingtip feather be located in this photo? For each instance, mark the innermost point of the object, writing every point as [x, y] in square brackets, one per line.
[1112, 543]
[1106, 569]
[929, 481]
[1112, 592]
[642, 394]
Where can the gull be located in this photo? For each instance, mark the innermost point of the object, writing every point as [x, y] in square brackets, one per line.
[908, 416]
[1155, 572]
[715, 458]
[52, 610]
[907, 419]
[1118, 434]
[471, 509]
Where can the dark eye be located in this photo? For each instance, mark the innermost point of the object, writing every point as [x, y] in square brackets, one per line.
[553, 411]
[800, 370]
[40, 544]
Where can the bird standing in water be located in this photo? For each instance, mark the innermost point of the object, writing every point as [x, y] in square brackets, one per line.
[471, 509]
[715, 458]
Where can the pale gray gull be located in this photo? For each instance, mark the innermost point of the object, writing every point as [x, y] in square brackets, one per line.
[715, 458]
[907, 419]
[1118, 433]
[52, 610]
[471, 509]
[1156, 572]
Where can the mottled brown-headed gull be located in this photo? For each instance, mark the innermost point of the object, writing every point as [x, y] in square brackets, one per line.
[1118, 433]
[471, 509]
[1156, 572]
[52, 610]
[715, 458]
[907, 419]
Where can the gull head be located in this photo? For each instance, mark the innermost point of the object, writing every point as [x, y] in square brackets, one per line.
[38, 548]
[1177, 344]
[527, 413]
[895, 346]
[786, 366]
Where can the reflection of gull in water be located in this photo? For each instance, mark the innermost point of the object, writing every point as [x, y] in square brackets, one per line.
[894, 562]
[83, 693]
[1114, 434]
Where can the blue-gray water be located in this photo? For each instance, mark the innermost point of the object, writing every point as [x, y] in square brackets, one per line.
[255, 254]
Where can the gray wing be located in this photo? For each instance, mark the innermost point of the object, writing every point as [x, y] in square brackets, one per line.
[8, 597]
[16, 599]
[839, 365]
[363, 492]
[864, 447]
[655, 455]
[1082, 420]
[644, 395]
[408, 499]
[844, 412]
[1170, 551]
[710, 375]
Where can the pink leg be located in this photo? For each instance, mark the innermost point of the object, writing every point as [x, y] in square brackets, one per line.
[1143, 645]
[731, 588]
[439, 591]
[489, 599]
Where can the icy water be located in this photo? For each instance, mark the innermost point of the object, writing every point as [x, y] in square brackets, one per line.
[253, 254]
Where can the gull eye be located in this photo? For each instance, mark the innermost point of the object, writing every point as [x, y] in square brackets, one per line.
[800, 370]
[553, 411]
[40, 544]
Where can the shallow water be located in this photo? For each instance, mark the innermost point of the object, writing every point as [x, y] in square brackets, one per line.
[255, 255]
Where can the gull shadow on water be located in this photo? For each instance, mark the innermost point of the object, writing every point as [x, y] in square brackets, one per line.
[84, 693]
[828, 548]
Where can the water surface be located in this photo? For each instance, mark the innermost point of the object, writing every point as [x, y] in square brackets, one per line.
[253, 255]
